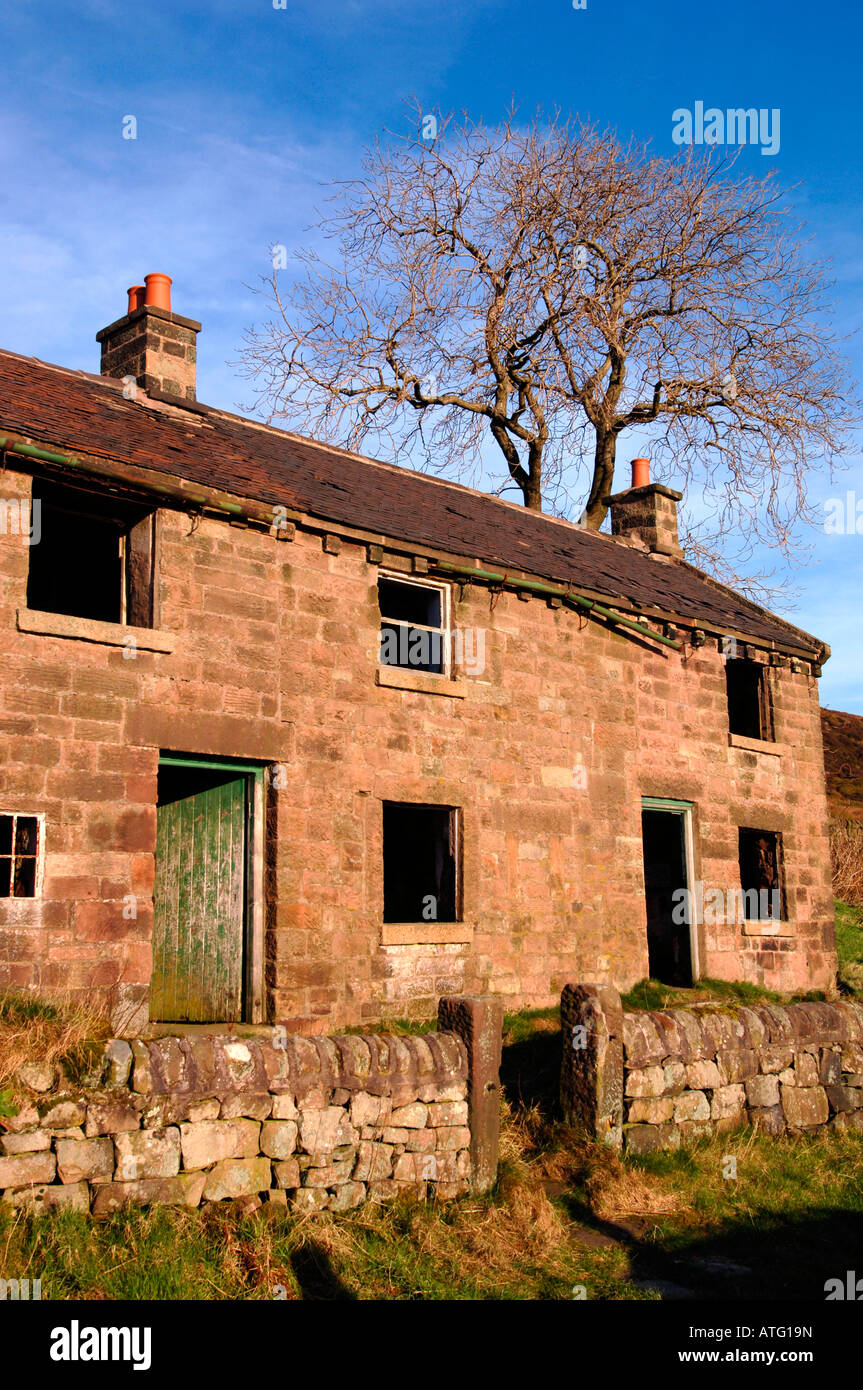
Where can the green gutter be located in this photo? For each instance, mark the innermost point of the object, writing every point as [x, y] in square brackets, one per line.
[586, 605]
[219, 503]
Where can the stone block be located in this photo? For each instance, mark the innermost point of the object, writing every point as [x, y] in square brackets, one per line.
[829, 1067]
[415, 1116]
[845, 1097]
[674, 1076]
[769, 1119]
[422, 1168]
[762, 1091]
[209, 1109]
[283, 1108]
[118, 1062]
[309, 1199]
[806, 1070]
[325, 1128]
[62, 1114]
[476, 1022]
[382, 1190]
[367, 1109]
[448, 1112]
[287, 1173]
[142, 1078]
[85, 1160]
[238, 1177]
[33, 1141]
[737, 1065]
[652, 1110]
[703, 1076]
[650, 1081]
[184, 1190]
[330, 1176]
[348, 1196]
[38, 1076]
[448, 1140]
[427, 1140]
[278, 1138]
[113, 1117]
[19, 1169]
[44, 1197]
[147, 1153]
[775, 1057]
[805, 1106]
[727, 1103]
[641, 1139]
[692, 1107]
[374, 1161]
[211, 1141]
[246, 1107]
[396, 1136]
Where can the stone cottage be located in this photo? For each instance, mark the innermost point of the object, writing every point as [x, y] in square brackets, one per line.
[295, 736]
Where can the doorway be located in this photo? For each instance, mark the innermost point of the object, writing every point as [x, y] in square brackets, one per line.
[204, 896]
[666, 831]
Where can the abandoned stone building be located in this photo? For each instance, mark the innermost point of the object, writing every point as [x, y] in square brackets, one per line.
[294, 736]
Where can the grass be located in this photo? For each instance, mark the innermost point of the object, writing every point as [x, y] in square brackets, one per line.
[849, 947]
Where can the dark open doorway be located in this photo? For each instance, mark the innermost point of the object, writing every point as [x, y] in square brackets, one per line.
[669, 944]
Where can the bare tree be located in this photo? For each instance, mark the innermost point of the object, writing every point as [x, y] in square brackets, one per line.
[548, 288]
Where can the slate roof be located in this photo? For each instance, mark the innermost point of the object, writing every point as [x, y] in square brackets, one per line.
[74, 411]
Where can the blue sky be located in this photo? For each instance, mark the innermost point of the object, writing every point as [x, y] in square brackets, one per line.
[244, 112]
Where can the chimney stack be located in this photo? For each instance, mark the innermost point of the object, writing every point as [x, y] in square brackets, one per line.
[152, 344]
[646, 512]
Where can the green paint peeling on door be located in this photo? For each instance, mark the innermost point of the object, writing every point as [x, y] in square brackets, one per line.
[199, 927]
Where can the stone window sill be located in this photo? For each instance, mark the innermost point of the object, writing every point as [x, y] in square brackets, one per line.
[756, 745]
[768, 929]
[425, 933]
[146, 639]
[397, 678]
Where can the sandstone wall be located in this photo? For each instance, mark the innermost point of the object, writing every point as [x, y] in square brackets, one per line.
[311, 1123]
[642, 1081]
[547, 752]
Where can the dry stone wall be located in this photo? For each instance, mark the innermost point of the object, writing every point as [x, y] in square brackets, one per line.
[642, 1081]
[311, 1122]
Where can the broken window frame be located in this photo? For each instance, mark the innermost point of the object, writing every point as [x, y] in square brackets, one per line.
[779, 859]
[762, 697]
[136, 539]
[444, 631]
[455, 851]
[12, 857]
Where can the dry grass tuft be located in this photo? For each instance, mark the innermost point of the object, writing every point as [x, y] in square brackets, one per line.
[67, 1030]
[846, 849]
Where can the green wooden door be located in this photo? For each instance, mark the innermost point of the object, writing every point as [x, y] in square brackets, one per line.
[200, 905]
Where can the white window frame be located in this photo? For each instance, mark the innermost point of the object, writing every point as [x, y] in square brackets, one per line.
[39, 817]
[445, 630]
